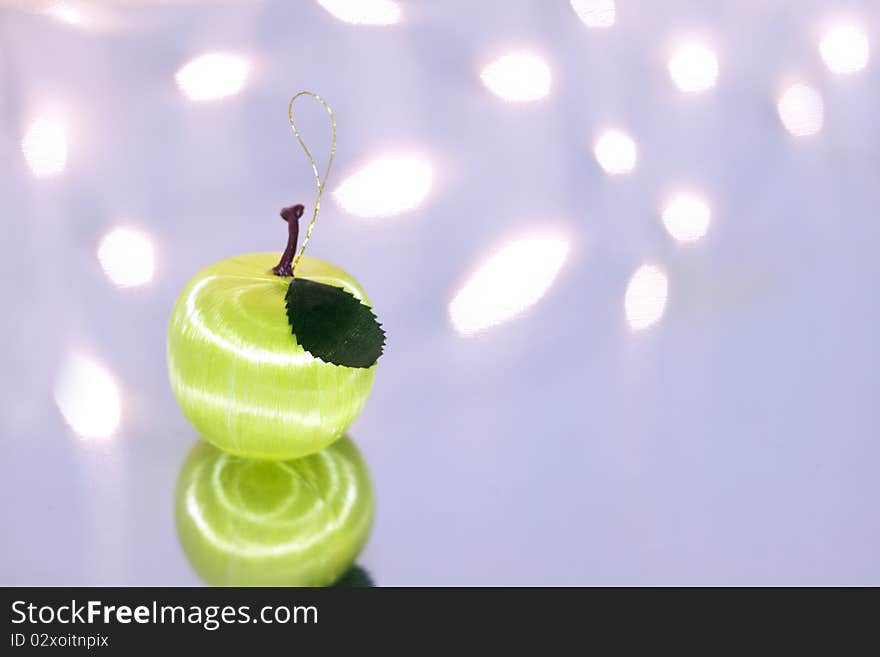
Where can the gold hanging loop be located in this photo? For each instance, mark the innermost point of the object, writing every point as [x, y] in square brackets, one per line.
[318, 179]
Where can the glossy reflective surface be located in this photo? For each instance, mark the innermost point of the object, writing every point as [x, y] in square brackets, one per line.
[716, 424]
[243, 522]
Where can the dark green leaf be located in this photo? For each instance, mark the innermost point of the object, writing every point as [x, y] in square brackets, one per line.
[333, 325]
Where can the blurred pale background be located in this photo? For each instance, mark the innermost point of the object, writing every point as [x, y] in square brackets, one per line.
[626, 253]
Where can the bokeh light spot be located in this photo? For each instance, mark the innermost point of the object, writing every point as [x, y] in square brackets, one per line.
[88, 397]
[687, 217]
[801, 110]
[615, 152]
[518, 77]
[127, 257]
[44, 147]
[645, 300]
[595, 13]
[363, 12]
[693, 67]
[386, 186]
[508, 282]
[66, 13]
[212, 76]
[844, 49]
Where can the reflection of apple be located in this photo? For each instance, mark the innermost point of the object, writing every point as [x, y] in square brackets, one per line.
[243, 522]
[238, 373]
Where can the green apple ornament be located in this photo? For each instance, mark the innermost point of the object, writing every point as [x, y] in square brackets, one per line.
[274, 362]
[245, 522]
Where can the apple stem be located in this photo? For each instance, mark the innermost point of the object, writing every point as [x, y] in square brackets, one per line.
[291, 215]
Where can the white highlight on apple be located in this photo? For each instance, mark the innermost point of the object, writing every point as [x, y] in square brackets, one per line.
[693, 67]
[511, 280]
[88, 397]
[801, 110]
[687, 217]
[127, 257]
[845, 49]
[212, 76]
[645, 300]
[595, 13]
[517, 77]
[616, 152]
[252, 353]
[386, 186]
[44, 147]
[363, 12]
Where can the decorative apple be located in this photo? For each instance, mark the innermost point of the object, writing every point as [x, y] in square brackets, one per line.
[239, 375]
[245, 522]
[274, 362]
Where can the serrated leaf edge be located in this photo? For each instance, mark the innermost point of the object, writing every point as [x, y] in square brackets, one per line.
[369, 309]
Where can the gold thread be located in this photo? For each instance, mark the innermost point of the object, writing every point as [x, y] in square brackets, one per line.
[318, 180]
